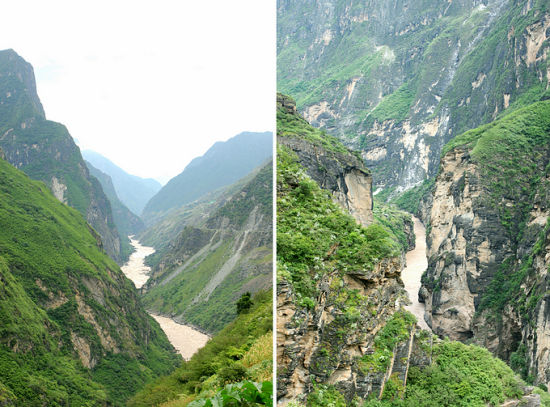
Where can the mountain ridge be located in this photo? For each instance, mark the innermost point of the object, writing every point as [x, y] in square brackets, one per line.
[132, 190]
[223, 164]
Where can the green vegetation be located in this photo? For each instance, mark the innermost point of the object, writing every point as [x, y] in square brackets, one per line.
[396, 221]
[510, 154]
[244, 303]
[54, 295]
[410, 200]
[325, 396]
[245, 394]
[460, 376]
[45, 150]
[395, 106]
[243, 349]
[396, 330]
[315, 236]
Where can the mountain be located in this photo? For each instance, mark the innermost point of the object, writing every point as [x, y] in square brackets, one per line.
[46, 151]
[217, 257]
[487, 280]
[133, 191]
[223, 164]
[126, 222]
[72, 330]
[397, 80]
[343, 337]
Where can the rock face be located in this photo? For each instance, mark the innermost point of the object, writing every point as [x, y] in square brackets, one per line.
[45, 150]
[397, 80]
[319, 345]
[341, 173]
[488, 246]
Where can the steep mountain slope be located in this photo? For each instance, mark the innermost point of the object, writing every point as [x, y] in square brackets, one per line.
[126, 222]
[45, 150]
[223, 164]
[342, 335]
[72, 331]
[160, 234]
[211, 263]
[243, 349]
[487, 279]
[132, 190]
[398, 79]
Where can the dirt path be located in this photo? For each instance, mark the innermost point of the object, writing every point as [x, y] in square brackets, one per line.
[185, 339]
[417, 263]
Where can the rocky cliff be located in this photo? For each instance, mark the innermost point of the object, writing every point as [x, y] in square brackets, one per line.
[488, 247]
[398, 79]
[45, 150]
[331, 165]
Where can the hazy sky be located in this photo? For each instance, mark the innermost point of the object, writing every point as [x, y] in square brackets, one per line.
[150, 85]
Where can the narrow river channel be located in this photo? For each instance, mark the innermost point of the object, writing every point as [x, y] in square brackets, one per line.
[184, 338]
[416, 264]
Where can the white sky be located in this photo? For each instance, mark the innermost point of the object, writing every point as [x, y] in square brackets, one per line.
[150, 85]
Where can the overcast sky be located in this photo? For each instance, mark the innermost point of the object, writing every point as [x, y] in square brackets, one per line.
[150, 85]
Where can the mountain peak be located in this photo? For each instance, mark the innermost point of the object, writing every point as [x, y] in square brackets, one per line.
[18, 87]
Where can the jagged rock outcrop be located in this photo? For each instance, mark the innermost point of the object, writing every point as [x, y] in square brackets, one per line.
[337, 170]
[46, 151]
[325, 344]
[398, 79]
[488, 246]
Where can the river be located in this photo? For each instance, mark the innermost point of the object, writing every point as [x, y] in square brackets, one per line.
[417, 263]
[184, 338]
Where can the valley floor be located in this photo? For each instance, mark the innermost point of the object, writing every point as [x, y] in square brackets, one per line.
[184, 338]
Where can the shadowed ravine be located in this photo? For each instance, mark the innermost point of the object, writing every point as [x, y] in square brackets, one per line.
[417, 263]
[185, 339]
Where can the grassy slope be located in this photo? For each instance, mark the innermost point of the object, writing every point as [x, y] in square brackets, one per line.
[246, 342]
[44, 241]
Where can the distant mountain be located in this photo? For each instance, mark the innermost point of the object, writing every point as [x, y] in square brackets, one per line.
[126, 221]
[72, 330]
[223, 164]
[45, 150]
[133, 191]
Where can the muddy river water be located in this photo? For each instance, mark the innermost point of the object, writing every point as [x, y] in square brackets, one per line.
[416, 264]
[184, 338]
